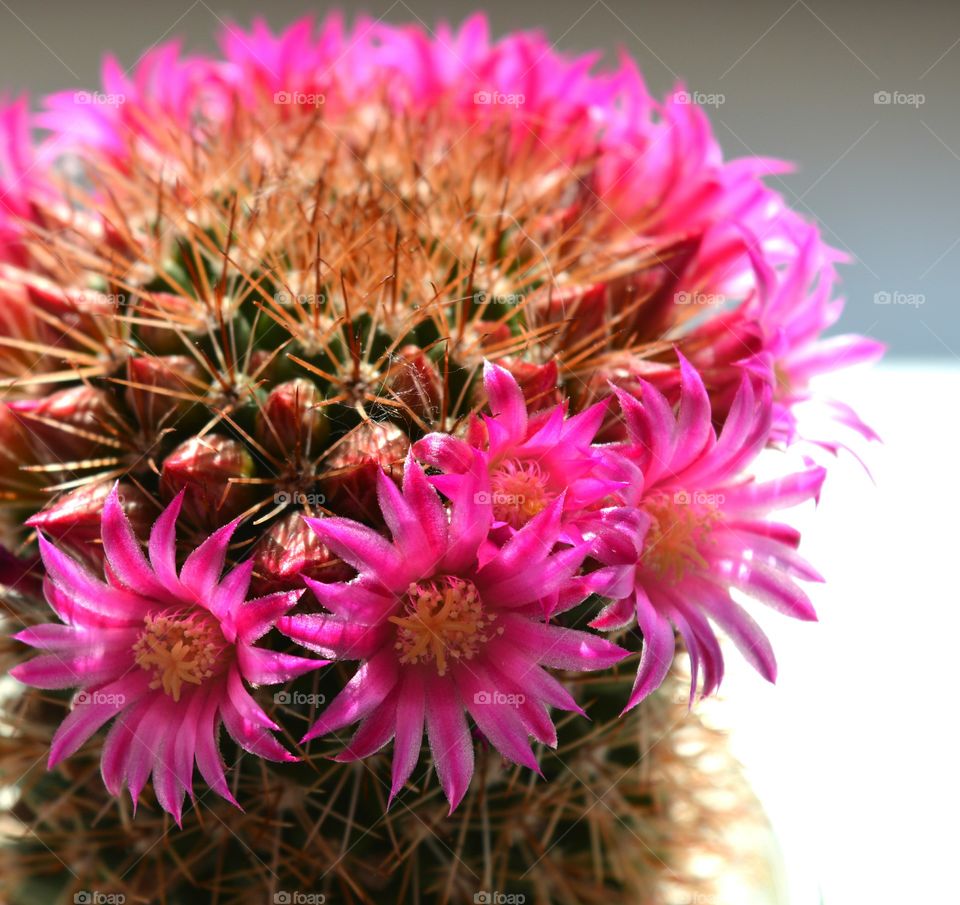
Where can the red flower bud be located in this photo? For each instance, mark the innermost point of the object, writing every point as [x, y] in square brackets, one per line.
[291, 548]
[69, 425]
[204, 467]
[413, 380]
[73, 518]
[538, 382]
[153, 375]
[292, 423]
[350, 484]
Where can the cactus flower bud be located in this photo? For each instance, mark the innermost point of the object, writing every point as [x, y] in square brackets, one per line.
[292, 424]
[350, 482]
[290, 549]
[204, 467]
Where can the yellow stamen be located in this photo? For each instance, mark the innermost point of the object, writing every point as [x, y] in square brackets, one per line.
[443, 618]
[519, 492]
[680, 528]
[180, 647]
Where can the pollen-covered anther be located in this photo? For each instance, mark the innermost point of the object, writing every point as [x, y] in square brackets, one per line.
[180, 647]
[519, 492]
[442, 618]
[679, 533]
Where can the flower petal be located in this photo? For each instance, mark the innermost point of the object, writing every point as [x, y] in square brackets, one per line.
[450, 741]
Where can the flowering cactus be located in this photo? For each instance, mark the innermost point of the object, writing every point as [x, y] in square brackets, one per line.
[451, 357]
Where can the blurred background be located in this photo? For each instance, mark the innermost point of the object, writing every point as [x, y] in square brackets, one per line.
[852, 751]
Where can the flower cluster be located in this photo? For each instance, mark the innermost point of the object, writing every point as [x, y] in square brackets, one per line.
[542, 464]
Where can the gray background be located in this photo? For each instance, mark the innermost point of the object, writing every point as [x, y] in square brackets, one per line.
[798, 79]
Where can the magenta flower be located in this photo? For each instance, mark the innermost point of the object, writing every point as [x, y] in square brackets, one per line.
[441, 635]
[704, 533]
[531, 461]
[166, 654]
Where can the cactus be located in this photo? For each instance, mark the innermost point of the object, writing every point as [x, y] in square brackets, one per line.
[255, 295]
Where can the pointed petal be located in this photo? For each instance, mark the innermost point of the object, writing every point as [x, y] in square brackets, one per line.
[450, 741]
[201, 571]
[268, 667]
[371, 683]
[163, 545]
[410, 719]
[506, 401]
[256, 617]
[658, 649]
[93, 711]
[332, 636]
[123, 552]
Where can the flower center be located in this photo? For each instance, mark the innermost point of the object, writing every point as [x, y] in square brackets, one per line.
[442, 619]
[519, 492]
[680, 527]
[180, 646]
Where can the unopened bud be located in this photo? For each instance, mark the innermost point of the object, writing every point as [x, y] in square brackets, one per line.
[350, 480]
[74, 517]
[292, 422]
[414, 381]
[207, 468]
[159, 385]
[68, 425]
[290, 548]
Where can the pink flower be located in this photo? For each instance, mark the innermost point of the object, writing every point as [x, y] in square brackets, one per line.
[167, 655]
[795, 306]
[440, 635]
[531, 460]
[704, 532]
